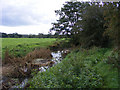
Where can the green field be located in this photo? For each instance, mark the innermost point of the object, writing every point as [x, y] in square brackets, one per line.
[21, 46]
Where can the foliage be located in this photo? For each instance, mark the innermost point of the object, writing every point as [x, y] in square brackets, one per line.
[92, 25]
[80, 69]
[83, 22]
[40, 35]
[89, 23]
[112, 19]
[69, 14]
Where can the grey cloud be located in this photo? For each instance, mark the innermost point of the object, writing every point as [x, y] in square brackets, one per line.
[17, 16]
[29, 12]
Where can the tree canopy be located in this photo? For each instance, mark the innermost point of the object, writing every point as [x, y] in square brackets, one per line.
[89, 23]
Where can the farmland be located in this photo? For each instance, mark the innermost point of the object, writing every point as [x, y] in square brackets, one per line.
[93, 68]
[88, 57]
[21, 46]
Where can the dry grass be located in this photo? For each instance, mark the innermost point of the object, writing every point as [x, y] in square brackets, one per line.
[42, 53]
[16, 66]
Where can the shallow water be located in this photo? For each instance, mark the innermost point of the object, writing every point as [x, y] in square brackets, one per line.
[42, 69]
[57, 57]
[22, 85]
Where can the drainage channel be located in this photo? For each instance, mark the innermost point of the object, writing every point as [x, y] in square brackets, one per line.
[57, 57]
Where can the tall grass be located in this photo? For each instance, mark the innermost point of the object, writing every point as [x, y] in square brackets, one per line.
[80, 69]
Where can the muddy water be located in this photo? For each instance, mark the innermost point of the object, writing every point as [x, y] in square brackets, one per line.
[57, 57]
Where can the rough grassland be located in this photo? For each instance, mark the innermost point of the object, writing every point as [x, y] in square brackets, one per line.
[21, 46]
[80, 69]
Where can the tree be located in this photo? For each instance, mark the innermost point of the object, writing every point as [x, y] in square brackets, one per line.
[112, 18]
[4, 35]
[92, 26]
[40, 35]
[69, 15]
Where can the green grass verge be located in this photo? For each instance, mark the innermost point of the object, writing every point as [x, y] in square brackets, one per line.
[80, 69]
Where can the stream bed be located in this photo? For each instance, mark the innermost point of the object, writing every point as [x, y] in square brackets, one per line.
[56, 58]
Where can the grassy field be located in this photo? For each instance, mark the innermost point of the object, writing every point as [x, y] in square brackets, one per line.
[21, 46]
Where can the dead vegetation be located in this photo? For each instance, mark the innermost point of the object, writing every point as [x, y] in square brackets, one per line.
[20, 67]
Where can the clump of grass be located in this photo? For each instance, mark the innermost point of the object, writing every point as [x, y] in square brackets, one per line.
[41, 53]
[7, 57]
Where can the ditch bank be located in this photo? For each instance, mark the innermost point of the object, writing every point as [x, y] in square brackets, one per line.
[16, 75]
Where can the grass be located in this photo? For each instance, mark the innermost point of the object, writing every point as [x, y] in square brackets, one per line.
[21, 46]
[80, 69]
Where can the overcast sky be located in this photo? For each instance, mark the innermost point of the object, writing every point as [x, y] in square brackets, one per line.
[28, 16]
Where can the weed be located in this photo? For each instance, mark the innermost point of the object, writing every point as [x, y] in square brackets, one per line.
[81, 69]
